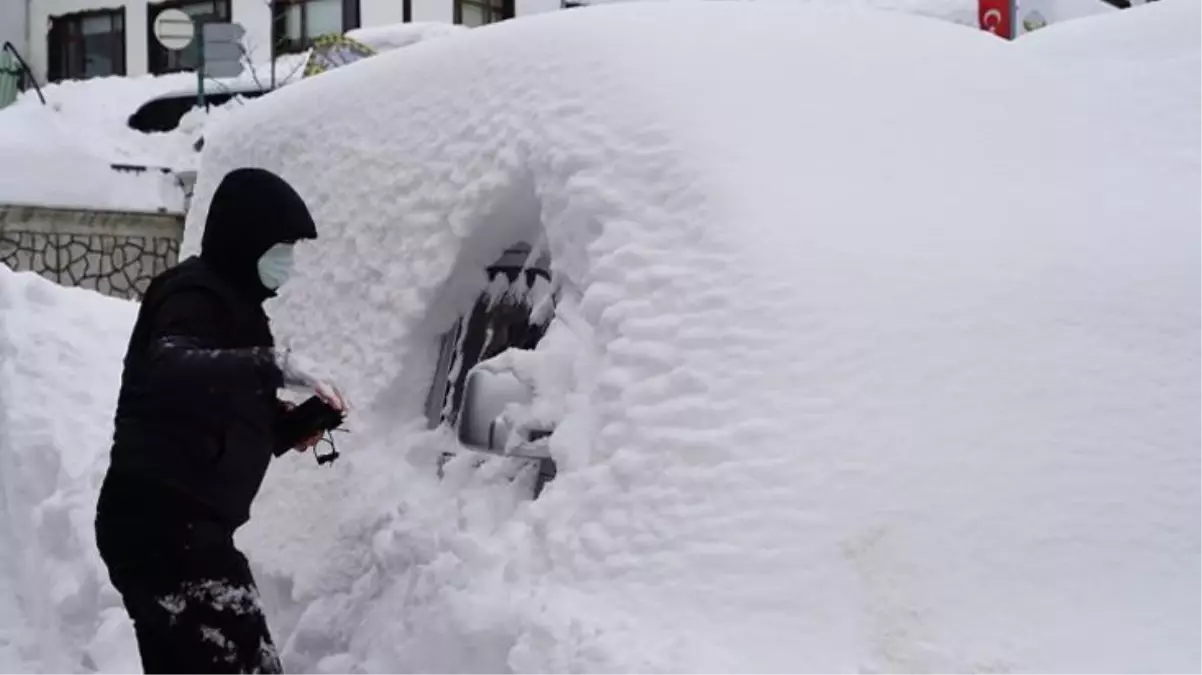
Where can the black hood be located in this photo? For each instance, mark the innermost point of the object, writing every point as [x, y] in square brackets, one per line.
[252, 210]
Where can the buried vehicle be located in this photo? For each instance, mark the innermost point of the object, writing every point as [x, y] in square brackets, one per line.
[859, 344]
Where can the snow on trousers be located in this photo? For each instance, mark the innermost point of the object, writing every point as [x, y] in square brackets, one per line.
[190, 594]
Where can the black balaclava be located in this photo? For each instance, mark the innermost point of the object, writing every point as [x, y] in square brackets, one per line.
[251, 211]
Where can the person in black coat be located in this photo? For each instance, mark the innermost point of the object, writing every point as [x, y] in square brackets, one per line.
[195, 428]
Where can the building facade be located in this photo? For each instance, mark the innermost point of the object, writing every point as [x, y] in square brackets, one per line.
[77, 39]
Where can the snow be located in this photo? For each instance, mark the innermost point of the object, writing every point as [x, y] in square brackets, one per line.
[962, 12]
[1143, 67]
[893, 371]
[1058, 11]
[896, 370]
[80, 133]
[60, 366]
[83, 130]
[397, 35]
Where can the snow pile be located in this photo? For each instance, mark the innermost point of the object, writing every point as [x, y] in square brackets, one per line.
[60, 365]
[1035, 14]
[962, 12]
[397, 35]
[61, 154]
[1143, 68]
[892, 370]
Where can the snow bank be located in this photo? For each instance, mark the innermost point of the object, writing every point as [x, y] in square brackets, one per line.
[60, 364]
[61, 154]
[894, 369]
[962, 12]
[397, 35]
[1140, 69]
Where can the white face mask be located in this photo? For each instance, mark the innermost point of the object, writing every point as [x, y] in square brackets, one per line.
[275, 266]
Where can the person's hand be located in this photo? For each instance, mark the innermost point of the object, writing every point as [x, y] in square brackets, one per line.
[330, 394]
[307, 443]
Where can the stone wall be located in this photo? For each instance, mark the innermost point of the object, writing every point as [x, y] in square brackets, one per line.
[113, 252]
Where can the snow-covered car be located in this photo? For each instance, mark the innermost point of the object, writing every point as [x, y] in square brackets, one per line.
[863, 344]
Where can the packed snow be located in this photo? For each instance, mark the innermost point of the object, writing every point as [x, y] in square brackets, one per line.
[896, 370]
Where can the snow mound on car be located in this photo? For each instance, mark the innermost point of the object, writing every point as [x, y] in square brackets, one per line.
[1140, 69]
[397, 35]
[893, 367]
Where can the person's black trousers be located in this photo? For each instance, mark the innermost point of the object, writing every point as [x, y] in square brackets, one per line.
[188, 590]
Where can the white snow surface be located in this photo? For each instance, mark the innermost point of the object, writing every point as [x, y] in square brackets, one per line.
[397, 35]
[61, 154]
[962, 12]
[892, 370]
[896, 370]
[60, 367]
[1143, 67]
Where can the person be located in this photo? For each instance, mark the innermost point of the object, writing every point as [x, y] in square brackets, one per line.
[195, 429]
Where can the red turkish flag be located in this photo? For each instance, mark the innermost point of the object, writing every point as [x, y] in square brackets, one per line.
[997, 17]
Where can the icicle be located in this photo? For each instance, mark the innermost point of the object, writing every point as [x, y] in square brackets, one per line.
[497, 288]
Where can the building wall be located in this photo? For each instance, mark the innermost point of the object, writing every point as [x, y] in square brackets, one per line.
[40, 12]
[112, 252]
[14, 24]
[254, 15]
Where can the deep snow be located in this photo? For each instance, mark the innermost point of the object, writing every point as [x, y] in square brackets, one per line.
[1140, 69]
[61, 154]
[60, 366]
[394, 36]
[892, 371]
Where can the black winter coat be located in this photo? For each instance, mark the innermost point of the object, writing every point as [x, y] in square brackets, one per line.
[196, 416]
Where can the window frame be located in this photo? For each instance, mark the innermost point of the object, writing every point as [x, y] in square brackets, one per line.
[67, 28]
[279, 21]
[495, 11]
[158, 57]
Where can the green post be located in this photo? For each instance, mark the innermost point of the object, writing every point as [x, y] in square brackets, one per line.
[198, 36]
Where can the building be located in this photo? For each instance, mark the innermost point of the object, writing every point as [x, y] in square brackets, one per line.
[14, 24]
[76, 39]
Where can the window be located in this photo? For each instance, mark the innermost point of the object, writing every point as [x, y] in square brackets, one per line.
[298, 22]
[163, 60]
[87, 44]
[513, 311]
[479, 12]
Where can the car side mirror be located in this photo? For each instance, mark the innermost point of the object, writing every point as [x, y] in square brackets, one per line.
[483, 424]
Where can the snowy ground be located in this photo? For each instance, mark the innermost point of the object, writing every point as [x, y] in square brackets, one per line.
[910, 386]
[1140, 70]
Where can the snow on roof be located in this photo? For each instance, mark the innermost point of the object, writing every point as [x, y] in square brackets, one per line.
[1142, 68]
[880, 352]
[397, 35]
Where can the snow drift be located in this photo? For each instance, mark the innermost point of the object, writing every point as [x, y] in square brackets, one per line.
[60, 366]
[397, 35]
[1139, 70]
[895, 368]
